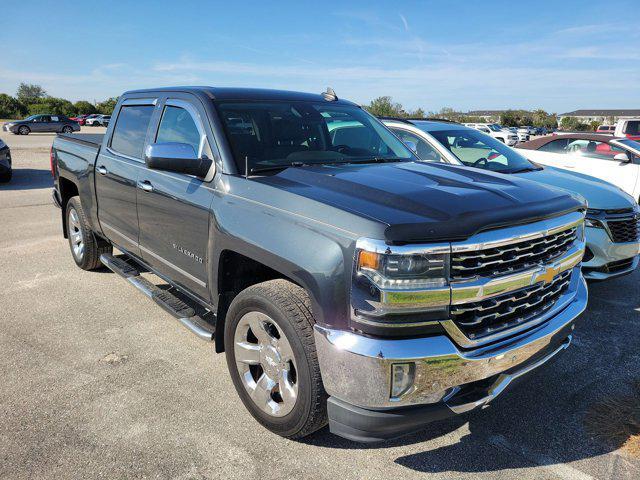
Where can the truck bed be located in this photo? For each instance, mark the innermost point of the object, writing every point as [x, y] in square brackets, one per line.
[92, 139]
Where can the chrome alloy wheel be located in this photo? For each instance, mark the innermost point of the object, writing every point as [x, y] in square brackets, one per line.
[75, 234]
[266, 364]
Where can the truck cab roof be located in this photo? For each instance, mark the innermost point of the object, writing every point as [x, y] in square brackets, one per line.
[244, 94]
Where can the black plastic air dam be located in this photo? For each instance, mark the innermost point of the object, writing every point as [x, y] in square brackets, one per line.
[368, 426]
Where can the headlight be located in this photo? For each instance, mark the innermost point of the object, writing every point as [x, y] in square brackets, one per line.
[403, 271]
[593, 223]
[395, 286]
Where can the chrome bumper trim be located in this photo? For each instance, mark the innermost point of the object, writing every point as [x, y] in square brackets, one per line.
[356, 369]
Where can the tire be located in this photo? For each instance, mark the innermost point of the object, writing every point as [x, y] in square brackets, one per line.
[283, 312]
[24, 130]
[6, 177]
[67, 129]
[85, 247]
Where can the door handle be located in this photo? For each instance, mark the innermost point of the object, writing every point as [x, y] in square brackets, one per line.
[102, 170]
[146, 186]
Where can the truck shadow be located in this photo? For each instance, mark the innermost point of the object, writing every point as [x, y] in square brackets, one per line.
[28, 179]
[583, 404]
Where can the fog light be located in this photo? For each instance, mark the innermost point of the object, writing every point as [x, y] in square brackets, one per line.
[402, 377]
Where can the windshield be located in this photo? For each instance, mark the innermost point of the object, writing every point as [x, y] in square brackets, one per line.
[495, 128]
[31, 117]
[476, 149]
[268, 135]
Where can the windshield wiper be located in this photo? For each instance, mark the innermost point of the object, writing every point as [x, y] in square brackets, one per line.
[271, 168]
[525, 169]
[380, 160]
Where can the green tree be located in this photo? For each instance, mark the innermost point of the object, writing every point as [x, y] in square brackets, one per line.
[82, 106]
[509, 118]
[52, 105]
[11, 107]
[419, 113]
[29, 93]
[385, 107]
[573, 124]
[106, 107]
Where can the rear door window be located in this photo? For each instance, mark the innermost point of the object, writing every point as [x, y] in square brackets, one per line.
[130, 131]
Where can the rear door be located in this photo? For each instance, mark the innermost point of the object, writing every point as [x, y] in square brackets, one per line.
[55, 124]
[117, 170]
[173, 208]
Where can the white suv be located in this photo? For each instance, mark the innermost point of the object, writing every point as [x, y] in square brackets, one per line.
[496, 131]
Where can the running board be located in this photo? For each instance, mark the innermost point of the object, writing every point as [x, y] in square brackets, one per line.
[185, 314]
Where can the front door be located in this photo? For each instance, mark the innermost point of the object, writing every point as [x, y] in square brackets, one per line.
[40, 123]
[173, 208]
[117, 170]
[597, 159]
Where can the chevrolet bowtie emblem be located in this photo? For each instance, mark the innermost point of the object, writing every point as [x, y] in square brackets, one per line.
[548, 274]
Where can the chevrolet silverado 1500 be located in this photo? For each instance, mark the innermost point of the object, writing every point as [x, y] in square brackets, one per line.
[346, 282]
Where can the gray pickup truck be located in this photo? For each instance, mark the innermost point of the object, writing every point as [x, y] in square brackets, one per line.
[345, 281]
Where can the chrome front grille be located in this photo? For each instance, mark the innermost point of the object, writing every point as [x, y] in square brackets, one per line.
[504, 312]
[511, 280]
[513, 257]
[624, 230]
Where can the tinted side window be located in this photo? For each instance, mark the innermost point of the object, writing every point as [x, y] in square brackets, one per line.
[556, 146]
[423, 149]
[177, 125]
[131, 130]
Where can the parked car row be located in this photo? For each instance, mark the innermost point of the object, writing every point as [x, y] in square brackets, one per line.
[93, 120]
[373, 277]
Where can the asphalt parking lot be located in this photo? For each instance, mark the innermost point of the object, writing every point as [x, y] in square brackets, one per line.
[97, 382]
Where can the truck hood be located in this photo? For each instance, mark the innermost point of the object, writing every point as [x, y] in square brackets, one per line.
[427, 202]
[598, 193]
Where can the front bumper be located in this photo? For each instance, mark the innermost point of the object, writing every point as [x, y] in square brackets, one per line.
[605, 253]
[356, 371]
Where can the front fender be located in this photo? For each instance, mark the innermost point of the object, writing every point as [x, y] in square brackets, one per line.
[313, 254]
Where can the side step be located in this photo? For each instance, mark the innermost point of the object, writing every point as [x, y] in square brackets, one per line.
[169, 302]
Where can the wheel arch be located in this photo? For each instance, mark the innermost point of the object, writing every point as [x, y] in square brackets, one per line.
[237, 272]
[68, 190]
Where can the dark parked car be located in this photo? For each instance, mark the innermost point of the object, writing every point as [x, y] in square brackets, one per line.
[5, 162]
[42, 123]
[346, 281]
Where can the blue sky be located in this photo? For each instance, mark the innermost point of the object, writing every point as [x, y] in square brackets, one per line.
[557, 55]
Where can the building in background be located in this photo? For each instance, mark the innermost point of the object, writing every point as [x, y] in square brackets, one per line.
[608, 117]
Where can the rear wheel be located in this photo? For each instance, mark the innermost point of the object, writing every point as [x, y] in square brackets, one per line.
[24, 130]
[272, 358]
[85, 247]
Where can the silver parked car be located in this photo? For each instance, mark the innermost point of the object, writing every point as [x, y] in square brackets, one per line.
[42, 123]
[98, 121]
[613, 218]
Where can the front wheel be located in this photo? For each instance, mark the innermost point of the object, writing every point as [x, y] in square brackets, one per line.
[272, 358]
[24, 130]
[85, 247]
[67, 129]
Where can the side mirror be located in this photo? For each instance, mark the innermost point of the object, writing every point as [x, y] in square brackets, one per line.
[622, 157]
[176, 157]
[412, 145]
